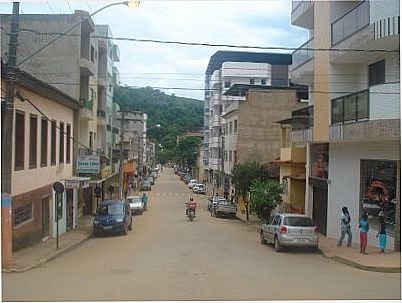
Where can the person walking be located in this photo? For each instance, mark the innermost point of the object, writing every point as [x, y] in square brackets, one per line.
[144, 200]
[382, 234]
[363, 227]
[345, 227]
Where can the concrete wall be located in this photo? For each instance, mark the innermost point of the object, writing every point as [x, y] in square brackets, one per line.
[344, 181]
[258, 134]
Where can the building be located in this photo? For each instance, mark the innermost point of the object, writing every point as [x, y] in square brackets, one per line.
[250, 129]
[80, 64]
[353, 143]
[42, 154]
[225, 69]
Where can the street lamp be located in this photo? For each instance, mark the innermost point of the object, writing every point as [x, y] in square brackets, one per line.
[130, 4]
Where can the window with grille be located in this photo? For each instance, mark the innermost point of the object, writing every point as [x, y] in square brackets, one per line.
[22, 214]
[19, 140]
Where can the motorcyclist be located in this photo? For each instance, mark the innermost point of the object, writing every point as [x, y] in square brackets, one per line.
[191, 205]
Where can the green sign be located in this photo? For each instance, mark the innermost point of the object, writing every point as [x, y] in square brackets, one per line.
[88, 164]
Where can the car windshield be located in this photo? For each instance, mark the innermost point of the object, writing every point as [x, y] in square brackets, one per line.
[111, 209]
[134, 200]
[298, 221]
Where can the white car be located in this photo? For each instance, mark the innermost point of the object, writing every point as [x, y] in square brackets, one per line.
[199, 188]
[191, 183]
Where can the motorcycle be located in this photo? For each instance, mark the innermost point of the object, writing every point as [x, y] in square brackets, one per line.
[190, 210]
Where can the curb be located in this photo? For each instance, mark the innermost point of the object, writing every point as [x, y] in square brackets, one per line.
[51, 257]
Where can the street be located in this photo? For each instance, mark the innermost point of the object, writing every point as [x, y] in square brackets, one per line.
[166, 257]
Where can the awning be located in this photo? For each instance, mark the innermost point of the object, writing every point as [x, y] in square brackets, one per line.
[77, 182]
[102, 180]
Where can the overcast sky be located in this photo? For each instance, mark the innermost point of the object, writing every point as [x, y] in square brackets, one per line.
[258, 23]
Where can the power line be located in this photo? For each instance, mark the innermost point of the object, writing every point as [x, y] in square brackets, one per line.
[220, 45]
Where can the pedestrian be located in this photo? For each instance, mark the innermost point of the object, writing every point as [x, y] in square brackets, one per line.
[382, 234]
[144, 200]
[345, 227]
[363, 227]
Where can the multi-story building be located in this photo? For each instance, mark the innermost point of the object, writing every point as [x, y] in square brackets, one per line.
[353, 143]
[224, 70]
[42, 154]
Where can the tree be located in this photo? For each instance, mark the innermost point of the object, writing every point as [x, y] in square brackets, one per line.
[265, 196]
[243, 176]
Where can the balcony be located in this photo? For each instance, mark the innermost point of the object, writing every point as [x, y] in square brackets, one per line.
[302, 125]
[371, 114]
[214, 142]
[303, 14]
[357, 29]
[86, 112]
[302, 63]
[101, 114]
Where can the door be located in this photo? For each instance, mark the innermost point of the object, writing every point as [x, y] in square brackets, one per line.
[45, 217]
[320, 206]
[87, 201]
[70, 209]
[272, 227]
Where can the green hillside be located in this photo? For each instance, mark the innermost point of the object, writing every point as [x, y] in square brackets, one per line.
[177, 115]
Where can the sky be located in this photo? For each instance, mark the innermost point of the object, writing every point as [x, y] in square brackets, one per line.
[263, 23]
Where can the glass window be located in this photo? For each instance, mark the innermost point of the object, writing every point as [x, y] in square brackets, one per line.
[68, 144]
[33, 141]
[235, 126]
[252, 81]
[378, 191]
[53, 144]
[263, 81]
[19, 140]
[44, 135]
[350, 108]
[298, 221]
[377, 73]
[362, 105]
[61, 143]
[337, 110]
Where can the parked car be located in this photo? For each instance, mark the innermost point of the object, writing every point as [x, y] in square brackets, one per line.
[136, 205]
[154, 175]
[146, 185]
[112, 216]
[151, 180]
[213, 200]
[225, 208]
[191, 183]
[199, 189]
[186, 178]
[290, 230]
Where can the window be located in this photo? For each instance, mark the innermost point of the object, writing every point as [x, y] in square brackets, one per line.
[53, 144]
[349, 108]
[337, 110]
[19, 140]
[33, 141]
[90, 140]
[230, 156]
[226, 155]
[92, 54]
[353, 107]
[227, 84]
[235, 126]
[68, 144]
[235, 156]
[379, 191]
[61, 143]
[263, 81]
[230, 127]
[376, 73]
[43, 144]
[22, 214]
[362, 110]
[252, 81]
[227, 128]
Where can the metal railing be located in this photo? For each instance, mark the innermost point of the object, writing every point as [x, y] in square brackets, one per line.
[351, 22]
[303, 54]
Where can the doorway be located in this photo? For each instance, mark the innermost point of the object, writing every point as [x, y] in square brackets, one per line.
[320, 204]
[70, 209]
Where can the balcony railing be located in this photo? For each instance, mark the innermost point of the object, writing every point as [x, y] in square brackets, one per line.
[302, 118]
[350, 108]
[303, 54]
[350, 23]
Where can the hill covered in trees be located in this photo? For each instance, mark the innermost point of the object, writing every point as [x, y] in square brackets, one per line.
[177, 115]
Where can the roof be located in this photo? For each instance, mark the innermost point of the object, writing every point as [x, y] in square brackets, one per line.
[239, 90]
[39, 87]
[220, 57]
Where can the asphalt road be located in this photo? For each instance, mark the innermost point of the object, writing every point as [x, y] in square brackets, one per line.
[166, 257]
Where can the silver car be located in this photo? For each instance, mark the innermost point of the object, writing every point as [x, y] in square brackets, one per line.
[136, 205]
[290, 230]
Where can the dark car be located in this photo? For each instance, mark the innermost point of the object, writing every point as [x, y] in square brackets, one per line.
[112, 216]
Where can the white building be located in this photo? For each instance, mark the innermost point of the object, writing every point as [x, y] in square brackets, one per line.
[353, 148]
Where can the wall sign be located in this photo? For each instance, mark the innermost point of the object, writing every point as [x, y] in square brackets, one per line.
[88, 164]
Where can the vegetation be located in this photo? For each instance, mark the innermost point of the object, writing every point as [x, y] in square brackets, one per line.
[177, 115]
[264, 197]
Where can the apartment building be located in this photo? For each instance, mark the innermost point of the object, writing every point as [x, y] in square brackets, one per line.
[352, 134]
[225, 69]
[80, 64]
[42, 153]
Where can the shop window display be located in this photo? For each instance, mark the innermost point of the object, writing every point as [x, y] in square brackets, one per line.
[378, 191]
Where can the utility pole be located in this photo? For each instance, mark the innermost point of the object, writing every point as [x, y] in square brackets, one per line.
[121, 155]
[8, 110]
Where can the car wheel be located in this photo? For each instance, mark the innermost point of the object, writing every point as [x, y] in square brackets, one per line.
[263, 241]
[277, 245]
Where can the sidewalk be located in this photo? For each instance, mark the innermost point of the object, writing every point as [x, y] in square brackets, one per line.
[390, 261]
[31, 257]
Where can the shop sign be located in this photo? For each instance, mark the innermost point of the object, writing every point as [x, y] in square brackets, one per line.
[106, 172]
[72, 184]
[88, 164]
[84, 183]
